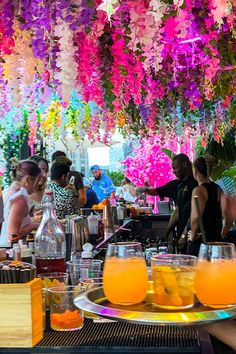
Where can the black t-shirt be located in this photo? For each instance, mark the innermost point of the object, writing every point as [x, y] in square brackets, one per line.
[91, 198]
[212, 215]
[184, 196]
[78, 179]
[169, 190]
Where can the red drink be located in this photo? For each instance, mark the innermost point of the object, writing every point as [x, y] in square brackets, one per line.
[47, 265]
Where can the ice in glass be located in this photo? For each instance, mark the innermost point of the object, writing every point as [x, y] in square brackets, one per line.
[173, 280]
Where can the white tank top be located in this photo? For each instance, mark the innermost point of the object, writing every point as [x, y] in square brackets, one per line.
[128, 196]
[8, 199]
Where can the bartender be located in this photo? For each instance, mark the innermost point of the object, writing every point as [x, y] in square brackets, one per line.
[180, 190]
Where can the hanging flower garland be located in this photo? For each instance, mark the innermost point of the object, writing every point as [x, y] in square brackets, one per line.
[144, 66]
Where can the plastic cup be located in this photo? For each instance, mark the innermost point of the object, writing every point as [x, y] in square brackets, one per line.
[64, 315]
[83, 269]
[173, 280]
[50, 280]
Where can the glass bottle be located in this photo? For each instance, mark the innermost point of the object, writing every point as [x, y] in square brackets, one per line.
[50, 242]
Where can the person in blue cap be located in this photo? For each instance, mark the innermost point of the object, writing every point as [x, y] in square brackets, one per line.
[102, 184]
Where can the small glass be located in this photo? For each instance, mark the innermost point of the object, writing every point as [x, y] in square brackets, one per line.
[52, 279]
[173, 280]
[84, 268]
[125, 276]
[215, 276]
[64, 315]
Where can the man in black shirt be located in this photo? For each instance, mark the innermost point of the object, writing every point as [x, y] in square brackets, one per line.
[182, 168]
[180, 190]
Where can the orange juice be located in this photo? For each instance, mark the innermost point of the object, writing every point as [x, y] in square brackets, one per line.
[173, 286]
[125, 280]
[215, 282]
[68, 320]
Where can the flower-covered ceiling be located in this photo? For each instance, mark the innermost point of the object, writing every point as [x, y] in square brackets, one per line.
[143, 66]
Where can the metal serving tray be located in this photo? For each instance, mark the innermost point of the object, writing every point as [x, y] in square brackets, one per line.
[94, 301]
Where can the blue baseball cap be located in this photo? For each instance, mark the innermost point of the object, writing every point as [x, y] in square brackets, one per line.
[95, 167]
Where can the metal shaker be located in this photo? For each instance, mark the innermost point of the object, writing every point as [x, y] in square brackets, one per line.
[79, 233]
[107, 221]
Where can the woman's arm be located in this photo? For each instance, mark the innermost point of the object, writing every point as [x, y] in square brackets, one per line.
[132, 191]
[18, 211]
[224, 331]
[201, 193]
[172, 222]
[82, 196]
[226, 213]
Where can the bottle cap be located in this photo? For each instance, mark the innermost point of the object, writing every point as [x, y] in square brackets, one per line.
[87, 251]
[87, 247]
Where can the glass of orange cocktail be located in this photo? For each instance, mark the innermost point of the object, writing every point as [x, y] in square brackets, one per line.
[173, 280]
[64, 315]
[125, 276]
[216, 273]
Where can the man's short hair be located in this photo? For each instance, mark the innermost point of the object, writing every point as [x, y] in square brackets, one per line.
[182, 158]
[58, 169]
[57, 154]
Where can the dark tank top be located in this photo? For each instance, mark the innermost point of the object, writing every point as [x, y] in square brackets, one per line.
[212, 215]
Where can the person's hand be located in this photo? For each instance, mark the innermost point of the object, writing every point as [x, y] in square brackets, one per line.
[140, 190]
[37, 218]
[182, 242]
[190, 236]
[13, 238]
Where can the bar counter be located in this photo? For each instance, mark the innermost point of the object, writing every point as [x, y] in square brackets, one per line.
[125, 338]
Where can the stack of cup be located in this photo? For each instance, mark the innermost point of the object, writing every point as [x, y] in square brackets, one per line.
[84, 269]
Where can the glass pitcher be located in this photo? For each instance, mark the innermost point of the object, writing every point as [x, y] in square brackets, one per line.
[125, 276]
[216, 273]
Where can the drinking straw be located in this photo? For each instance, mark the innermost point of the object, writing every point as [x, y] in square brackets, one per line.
[200, 223]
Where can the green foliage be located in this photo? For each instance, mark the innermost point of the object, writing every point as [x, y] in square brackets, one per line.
[116, 177]
[231, 172]
[168, 152]
[224, 154]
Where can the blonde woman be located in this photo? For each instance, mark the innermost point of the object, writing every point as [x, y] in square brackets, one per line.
[17, 221]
